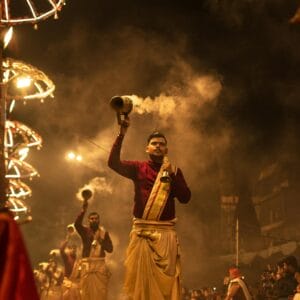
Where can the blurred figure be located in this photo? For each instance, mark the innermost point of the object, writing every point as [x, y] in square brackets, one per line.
[16, 275]
[185, 295]
[296, 17]
[266, 284]
[226, 281]
[286, 283]
[96, 241]
[216, 295]
[55, 276]
[280, 285]
[208, 294]
[41, 278]
[68, 252]
[290, 264]
[237, 288]
[297, 295]
[297, 275]
[197, 295]
[68, 255]
[73, 239]
[291, 267]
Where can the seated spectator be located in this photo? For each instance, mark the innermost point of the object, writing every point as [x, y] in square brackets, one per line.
[286, 283]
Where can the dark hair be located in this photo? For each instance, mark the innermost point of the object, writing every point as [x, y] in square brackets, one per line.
[291, 261]
[280, 263]
[93, 213]
[156, 134]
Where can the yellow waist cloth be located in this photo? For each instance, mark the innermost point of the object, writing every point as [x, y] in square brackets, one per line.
[153, 225]
[152, 263]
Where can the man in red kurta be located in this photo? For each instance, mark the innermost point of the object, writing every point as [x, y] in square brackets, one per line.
[152, 263]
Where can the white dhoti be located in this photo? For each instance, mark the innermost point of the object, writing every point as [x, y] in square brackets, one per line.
[70, 290]
[53, 293]
[94, 279]
[153, 261]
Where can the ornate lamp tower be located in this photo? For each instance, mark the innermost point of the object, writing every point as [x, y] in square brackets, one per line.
[16, 138]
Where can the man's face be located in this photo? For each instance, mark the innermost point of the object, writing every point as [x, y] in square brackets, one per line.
[157, 147]
[71, 250]
[70, 230]
[94, 221]
[288, 268]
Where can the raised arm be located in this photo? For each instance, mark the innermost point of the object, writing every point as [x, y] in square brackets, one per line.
[78, 222]
[124, 168]
[62, 252]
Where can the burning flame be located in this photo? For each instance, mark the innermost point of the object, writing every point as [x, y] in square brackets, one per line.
[8, 37]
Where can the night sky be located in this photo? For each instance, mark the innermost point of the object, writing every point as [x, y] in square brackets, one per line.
[219, 78]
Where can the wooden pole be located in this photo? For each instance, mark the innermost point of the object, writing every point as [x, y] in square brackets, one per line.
[3, 180]
[237, 242]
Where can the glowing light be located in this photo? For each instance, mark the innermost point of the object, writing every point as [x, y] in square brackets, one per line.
[16, 205]
[12, 106]
[9, 140]
[23, 153]
[41, 85]
[20, 169]
[8, 37]
[23, 82]
[6, 9]
[71, 155]
[31, 8]
[74, 156]
[16, 131]
[18, 189]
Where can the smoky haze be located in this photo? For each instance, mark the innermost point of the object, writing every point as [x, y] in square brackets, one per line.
[220, 79]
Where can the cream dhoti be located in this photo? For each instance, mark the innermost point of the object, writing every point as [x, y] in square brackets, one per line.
[94, 278]
[153, 261]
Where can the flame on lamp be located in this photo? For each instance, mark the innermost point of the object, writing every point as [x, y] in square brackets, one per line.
[8, 36]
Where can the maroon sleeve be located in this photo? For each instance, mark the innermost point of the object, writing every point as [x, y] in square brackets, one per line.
[123, 167]
[78, 224]
[106, 243]
[180, 190]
